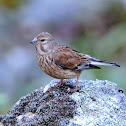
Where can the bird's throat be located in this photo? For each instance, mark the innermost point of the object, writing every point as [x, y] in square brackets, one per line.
[43, 49]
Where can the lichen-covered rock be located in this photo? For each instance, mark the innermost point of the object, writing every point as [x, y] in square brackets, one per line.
[99, 103]
[96, 103]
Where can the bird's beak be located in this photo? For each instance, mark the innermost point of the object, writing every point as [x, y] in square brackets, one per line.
[34, 40]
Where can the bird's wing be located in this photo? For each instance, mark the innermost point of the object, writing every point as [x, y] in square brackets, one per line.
[68, 58]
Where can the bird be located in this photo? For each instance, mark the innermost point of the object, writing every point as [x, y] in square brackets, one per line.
[62, 62]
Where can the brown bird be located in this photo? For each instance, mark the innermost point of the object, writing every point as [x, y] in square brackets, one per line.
[62, 62]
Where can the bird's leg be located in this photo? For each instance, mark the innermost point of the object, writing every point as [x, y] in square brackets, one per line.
[75, 89]
[76, 83]
[59, 82]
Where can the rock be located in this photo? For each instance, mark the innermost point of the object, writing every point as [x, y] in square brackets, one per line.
[95, 103]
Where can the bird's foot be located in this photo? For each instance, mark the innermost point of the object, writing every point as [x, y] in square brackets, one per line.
[73, 90]
[61, 82]
[58, 83]
[65, 81]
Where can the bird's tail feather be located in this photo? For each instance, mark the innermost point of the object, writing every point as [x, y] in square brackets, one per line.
[95, 61]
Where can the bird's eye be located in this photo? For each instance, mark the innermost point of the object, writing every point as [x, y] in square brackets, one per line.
[42, 40]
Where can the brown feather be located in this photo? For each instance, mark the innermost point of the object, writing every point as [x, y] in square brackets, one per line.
[67, 58]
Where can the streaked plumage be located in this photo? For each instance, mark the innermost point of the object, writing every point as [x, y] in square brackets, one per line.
[63, 62]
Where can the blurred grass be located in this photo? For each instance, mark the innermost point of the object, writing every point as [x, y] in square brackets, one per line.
[111, 42]
[11, 4]
[3, 102]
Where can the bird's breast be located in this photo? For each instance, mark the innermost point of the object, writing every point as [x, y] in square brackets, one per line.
[46, 64]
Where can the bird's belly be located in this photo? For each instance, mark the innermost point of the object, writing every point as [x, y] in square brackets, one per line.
[55, 71]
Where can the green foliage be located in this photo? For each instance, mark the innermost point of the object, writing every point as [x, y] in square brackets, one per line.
[3, 99]
[111, 42]
[3, 102]
[11, 4]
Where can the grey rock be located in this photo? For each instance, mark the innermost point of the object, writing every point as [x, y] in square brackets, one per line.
[96, 103]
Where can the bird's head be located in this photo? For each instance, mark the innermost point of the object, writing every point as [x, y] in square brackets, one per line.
[42, 38]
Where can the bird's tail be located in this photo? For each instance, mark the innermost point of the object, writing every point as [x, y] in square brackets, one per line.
[95, 61]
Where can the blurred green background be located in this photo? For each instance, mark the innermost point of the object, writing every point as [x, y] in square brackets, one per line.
[95, 27]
